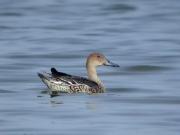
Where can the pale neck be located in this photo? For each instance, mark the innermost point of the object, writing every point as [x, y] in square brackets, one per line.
[92, 74]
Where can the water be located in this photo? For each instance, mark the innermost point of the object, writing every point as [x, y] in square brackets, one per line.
[142, 96]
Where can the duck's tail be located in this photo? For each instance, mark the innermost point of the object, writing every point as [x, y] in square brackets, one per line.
[43, 77]
[47, 80]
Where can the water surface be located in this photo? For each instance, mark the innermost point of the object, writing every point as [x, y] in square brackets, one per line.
[142, 95]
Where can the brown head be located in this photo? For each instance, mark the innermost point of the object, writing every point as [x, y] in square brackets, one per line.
[97, 59]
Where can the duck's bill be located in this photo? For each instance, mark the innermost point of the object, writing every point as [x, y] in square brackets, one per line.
[109, 63]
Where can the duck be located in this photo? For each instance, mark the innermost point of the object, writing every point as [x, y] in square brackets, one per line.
[60, 82]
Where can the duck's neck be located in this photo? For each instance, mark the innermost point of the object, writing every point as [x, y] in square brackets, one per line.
[92, 74]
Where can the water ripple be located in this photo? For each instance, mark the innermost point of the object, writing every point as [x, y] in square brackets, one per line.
[6, 91]
[146, 68]
[11, 14]
[148, 100]
[44, 56]
[120, 8]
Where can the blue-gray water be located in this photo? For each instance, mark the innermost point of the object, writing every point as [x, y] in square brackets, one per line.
[142, 36]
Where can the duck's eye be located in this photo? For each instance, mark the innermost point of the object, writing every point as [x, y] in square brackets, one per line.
[98, 56]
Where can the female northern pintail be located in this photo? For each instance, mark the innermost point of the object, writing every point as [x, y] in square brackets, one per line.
[62, 82]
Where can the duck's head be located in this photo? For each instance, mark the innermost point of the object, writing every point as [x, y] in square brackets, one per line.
[98, 59]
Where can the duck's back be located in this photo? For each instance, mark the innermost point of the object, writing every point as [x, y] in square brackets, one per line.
[62, 82]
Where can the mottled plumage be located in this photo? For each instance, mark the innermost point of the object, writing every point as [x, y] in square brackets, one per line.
[61, 82]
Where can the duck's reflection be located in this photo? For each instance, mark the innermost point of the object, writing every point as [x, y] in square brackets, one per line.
[55, 103]
[91, 106]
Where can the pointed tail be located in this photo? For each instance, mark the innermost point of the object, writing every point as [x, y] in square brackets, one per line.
[43, 77]
[46, 80]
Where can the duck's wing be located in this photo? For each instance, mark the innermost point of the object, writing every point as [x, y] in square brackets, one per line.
[70, 79]
[62, 82]
[84, 81]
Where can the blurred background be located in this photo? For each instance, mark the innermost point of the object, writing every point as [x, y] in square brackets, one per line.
[142, 36]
